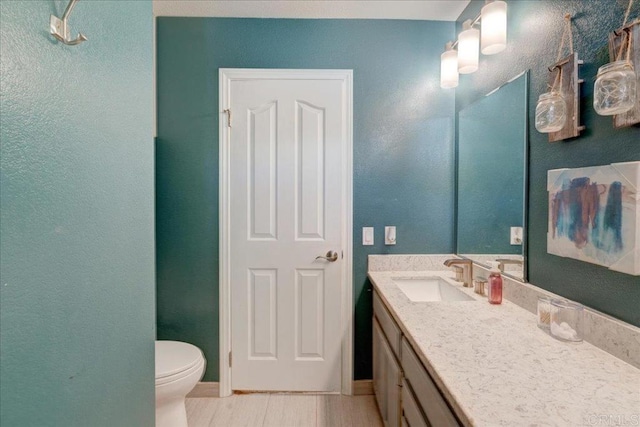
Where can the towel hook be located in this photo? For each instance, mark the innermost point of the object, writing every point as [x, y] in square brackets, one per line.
[60, 29]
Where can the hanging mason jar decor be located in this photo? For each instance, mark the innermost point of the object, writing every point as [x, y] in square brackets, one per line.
[551, 111]
[615, 89]
[558, 111]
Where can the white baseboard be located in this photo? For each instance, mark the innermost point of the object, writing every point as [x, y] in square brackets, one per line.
[362, 387]
[205, 389]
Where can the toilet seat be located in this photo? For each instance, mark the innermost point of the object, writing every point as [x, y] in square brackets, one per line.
[176, 360]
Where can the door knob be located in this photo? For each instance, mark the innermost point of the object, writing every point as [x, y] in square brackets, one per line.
[331, 256]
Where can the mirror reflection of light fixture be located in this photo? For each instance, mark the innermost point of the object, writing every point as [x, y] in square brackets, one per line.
[449, 67]
[493, 27]
[493, 22]
[468, 48]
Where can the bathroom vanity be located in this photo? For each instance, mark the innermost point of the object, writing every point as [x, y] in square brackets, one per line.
[405, 392]
[467, 362]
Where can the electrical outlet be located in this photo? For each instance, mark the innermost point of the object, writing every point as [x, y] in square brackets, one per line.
[516, 236]
[390, 235]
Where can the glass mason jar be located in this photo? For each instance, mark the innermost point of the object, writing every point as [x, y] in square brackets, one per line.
[551, 112]
[615, 88]
[567, 320]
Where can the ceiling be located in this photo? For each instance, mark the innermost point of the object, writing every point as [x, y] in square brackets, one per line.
[436, 10]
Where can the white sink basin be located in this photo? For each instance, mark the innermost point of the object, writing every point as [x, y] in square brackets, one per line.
[430, 289]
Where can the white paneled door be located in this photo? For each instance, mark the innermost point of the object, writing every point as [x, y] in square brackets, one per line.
[286, 240]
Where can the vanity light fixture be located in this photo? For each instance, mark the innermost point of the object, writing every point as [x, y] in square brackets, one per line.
[449, 67]
[468, 48]
[493, 27]
[492, 37]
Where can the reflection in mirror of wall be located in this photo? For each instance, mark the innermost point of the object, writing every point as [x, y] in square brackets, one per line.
[492, 156]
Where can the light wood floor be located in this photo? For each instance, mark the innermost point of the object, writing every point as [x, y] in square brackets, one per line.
[284, 410]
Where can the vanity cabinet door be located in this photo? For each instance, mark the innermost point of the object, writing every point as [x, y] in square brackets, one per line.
[378, 358]
[387, 378]
[389, 327]
[427, 395]
[411, 413]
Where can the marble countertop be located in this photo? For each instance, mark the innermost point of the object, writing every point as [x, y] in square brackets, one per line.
[496, 367]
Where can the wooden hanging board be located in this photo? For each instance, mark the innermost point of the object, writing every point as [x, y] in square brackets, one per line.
[570, 86]
[632, 116]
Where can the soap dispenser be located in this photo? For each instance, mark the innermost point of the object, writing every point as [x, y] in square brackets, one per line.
[495, 284]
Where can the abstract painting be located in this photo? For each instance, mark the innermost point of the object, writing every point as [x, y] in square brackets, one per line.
[594, 215]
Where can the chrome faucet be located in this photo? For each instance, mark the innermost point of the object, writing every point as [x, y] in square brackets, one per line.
[467, 266]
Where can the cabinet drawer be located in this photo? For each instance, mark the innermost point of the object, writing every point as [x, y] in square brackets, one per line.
[388, 325]
[427, 394]
[412, 414]
[387, 378]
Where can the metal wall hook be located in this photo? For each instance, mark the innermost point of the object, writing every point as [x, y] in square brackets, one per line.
[60, 29]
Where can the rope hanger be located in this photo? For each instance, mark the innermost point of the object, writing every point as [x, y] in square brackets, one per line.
[567, 34]
[627, 39]
[626, 15]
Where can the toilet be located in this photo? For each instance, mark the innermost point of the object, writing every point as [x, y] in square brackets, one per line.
[179, 367]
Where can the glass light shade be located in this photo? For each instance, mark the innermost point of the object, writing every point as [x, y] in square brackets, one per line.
[468, 50]
[493, 27]
[551, 112]
[615, 89]
[449, 69]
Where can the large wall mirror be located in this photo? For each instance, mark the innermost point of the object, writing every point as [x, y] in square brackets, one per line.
[492, 176]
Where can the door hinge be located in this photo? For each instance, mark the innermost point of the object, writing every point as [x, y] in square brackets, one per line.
[228, 111]
[230, 360]
[342, 253]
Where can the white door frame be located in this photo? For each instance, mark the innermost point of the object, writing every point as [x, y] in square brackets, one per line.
[227, 75]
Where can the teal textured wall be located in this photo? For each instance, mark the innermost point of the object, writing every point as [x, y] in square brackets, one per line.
[403, 150]
[77, 247]
[535, 29]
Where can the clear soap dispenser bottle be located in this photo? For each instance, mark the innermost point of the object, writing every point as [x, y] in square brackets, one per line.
[495, 284]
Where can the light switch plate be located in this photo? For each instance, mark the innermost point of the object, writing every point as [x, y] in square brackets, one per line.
[390, 235]
[367, 236]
